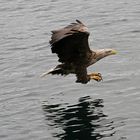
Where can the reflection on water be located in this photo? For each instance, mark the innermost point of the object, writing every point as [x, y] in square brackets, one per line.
[84, 120]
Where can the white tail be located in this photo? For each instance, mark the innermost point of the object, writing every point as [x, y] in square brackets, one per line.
[53, 71]
[46, 73]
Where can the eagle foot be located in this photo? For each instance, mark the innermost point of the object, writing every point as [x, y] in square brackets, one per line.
[96, 76]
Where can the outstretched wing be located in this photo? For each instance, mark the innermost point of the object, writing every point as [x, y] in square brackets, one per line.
[71, 43]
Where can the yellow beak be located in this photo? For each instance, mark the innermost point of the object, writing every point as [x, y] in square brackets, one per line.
[114, 52]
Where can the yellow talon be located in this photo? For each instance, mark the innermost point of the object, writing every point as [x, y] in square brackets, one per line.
[96, 76]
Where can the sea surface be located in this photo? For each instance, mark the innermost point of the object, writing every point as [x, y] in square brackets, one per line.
[55, 107]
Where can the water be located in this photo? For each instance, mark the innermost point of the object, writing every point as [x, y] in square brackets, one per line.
[56, 107]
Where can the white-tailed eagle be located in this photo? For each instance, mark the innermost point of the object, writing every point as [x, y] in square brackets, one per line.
[71, 45]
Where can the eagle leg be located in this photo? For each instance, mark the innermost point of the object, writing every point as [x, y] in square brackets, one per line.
[96, 76]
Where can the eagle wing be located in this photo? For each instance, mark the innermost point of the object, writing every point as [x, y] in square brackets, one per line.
[71, 45]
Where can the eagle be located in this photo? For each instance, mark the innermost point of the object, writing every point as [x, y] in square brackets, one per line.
[75, 56]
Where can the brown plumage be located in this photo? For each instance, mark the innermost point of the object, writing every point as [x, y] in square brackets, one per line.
[71, 45]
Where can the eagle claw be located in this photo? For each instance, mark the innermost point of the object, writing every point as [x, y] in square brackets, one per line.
[96, 76]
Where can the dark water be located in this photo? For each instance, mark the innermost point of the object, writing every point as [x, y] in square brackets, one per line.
[84, 120]
[56, 107]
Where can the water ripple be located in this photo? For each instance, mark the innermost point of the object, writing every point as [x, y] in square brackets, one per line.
[84, 120]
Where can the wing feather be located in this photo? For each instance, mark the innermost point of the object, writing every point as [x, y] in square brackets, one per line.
[71, 43]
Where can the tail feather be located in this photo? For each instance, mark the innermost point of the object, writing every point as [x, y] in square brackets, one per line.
[53, 71]
[56, 71]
